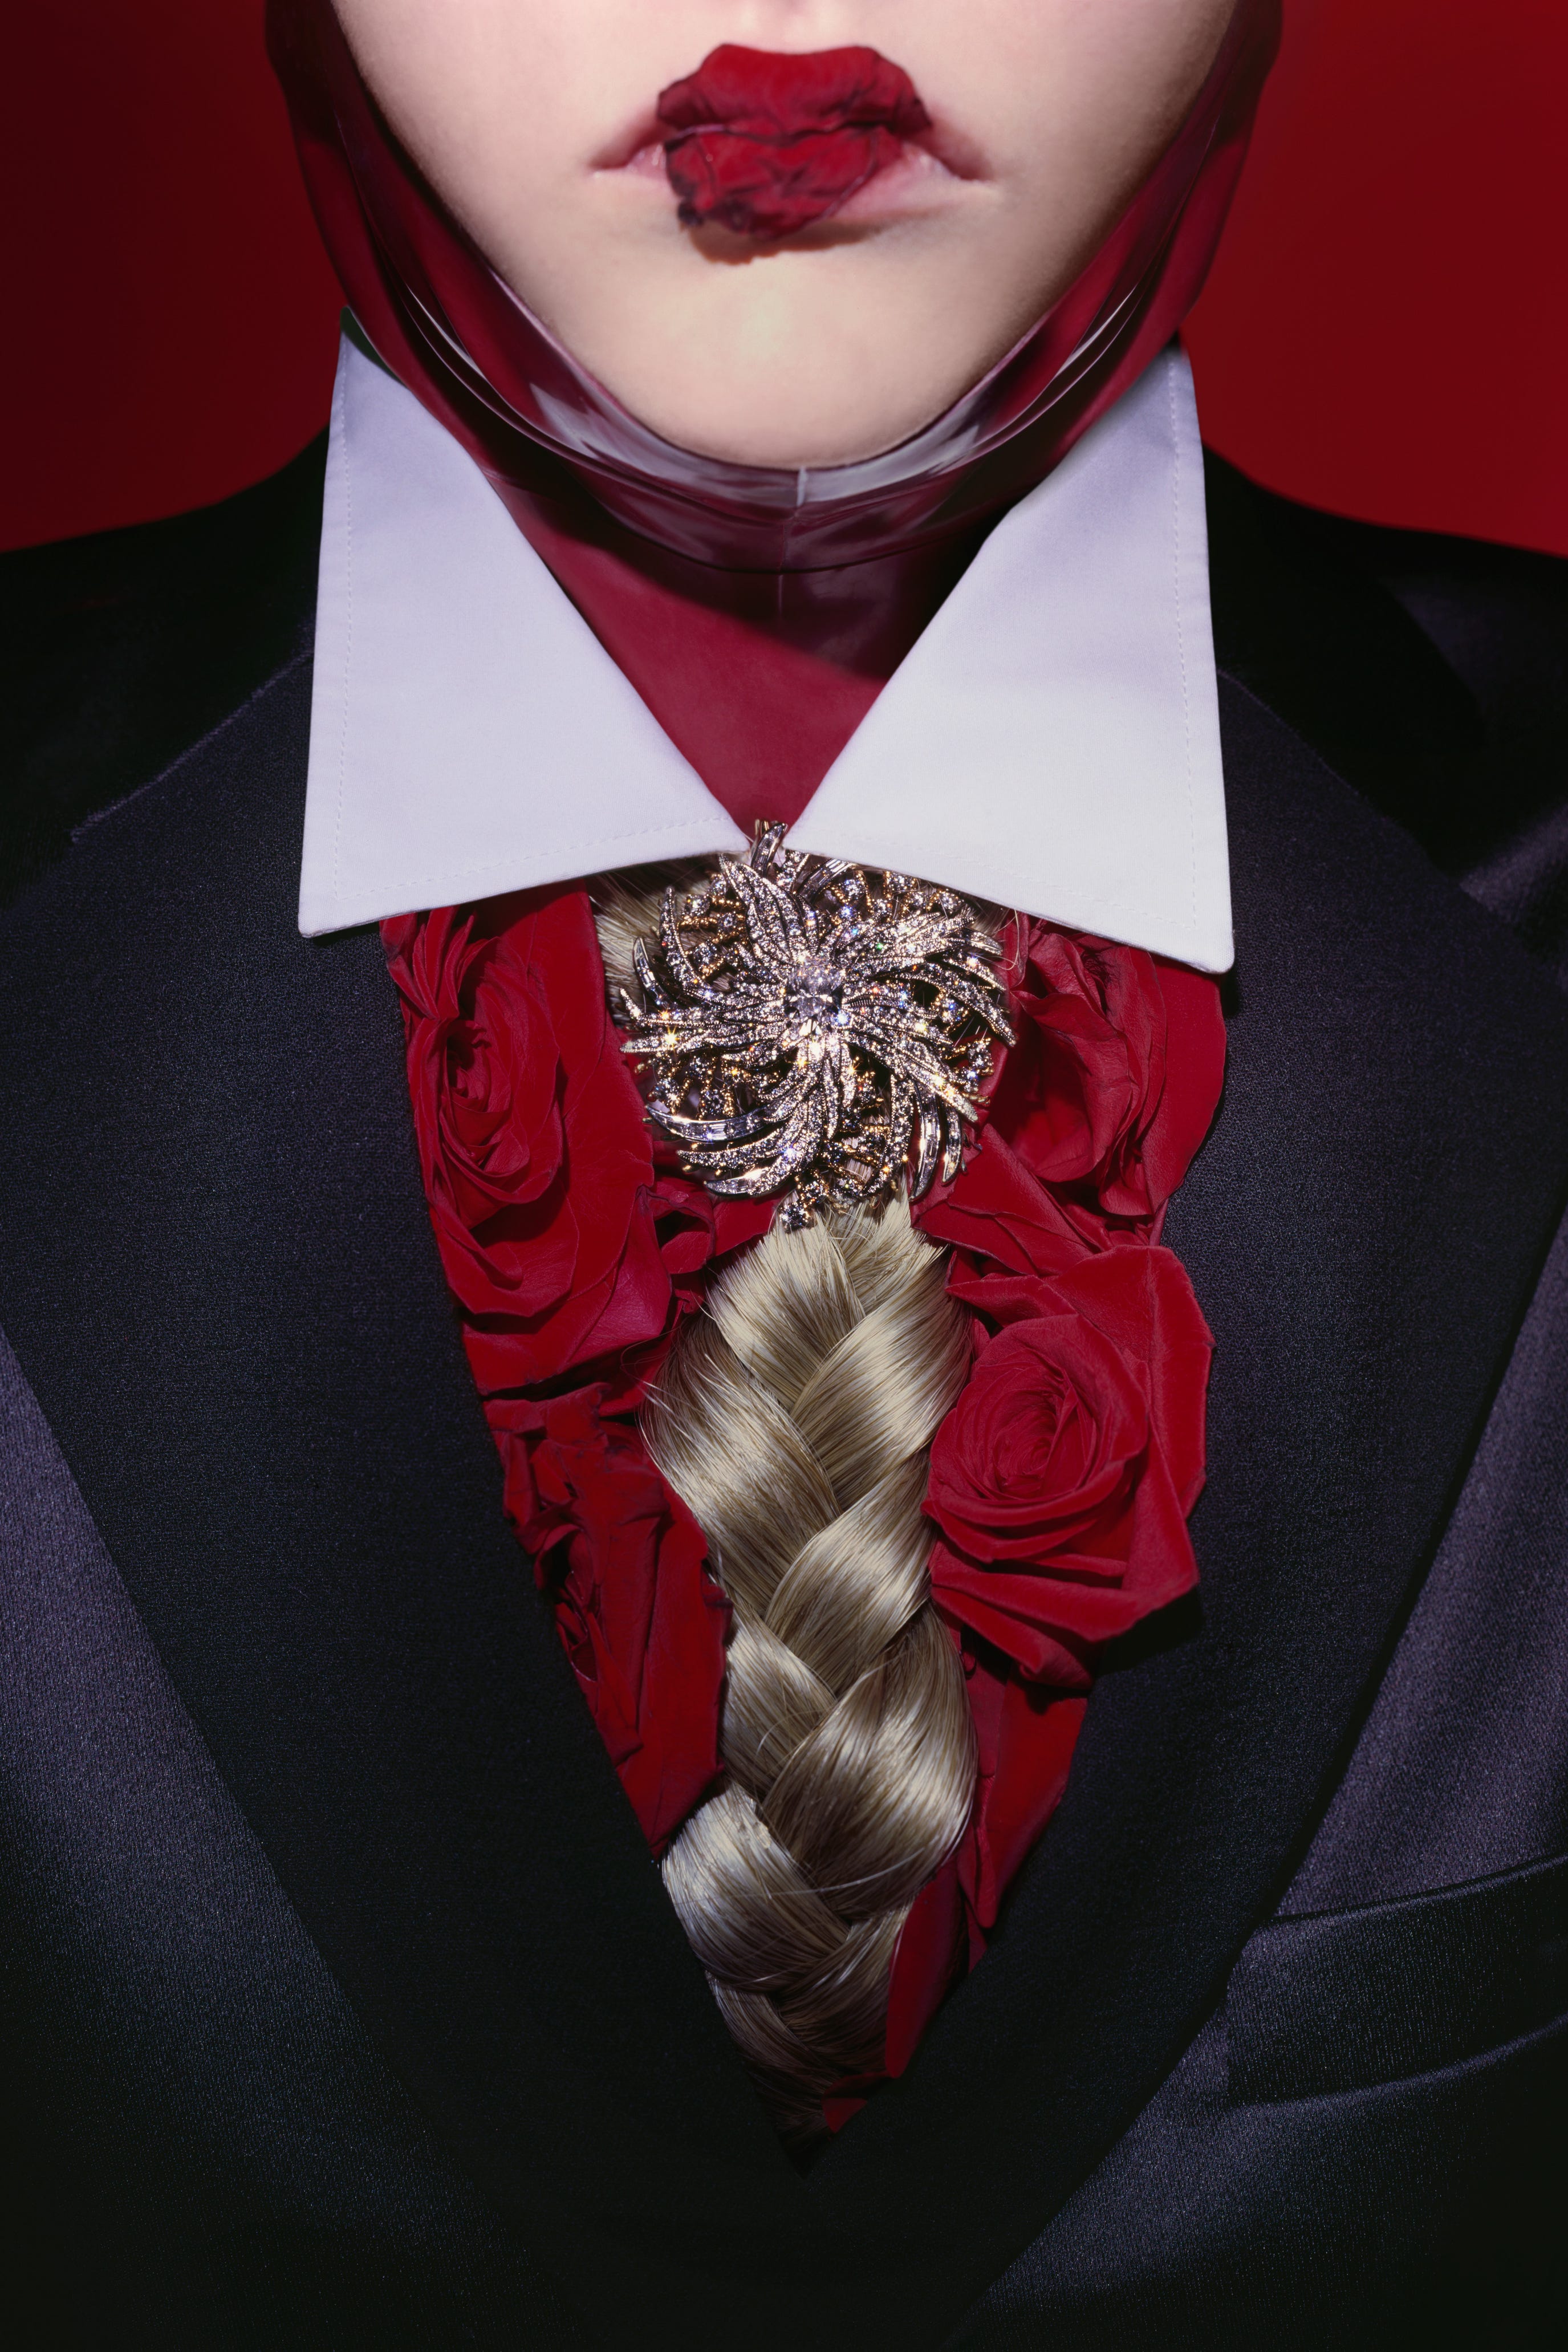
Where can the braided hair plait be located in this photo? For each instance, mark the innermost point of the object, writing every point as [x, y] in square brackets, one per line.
[794, 1418]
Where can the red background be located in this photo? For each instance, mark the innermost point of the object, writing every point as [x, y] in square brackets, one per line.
[1386, 333]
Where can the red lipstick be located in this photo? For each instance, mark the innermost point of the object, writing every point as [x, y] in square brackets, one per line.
[762, 143]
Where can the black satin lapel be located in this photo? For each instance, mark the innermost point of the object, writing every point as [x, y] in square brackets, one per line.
[1364, 1229]
[221, 1282]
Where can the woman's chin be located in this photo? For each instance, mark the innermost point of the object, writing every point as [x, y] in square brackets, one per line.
[777, 370]
[772, 418]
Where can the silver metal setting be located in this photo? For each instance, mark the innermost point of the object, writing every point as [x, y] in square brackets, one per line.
[815, 1028]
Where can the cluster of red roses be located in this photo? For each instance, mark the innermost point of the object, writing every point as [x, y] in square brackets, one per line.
[1059, 1482]
[572, 1257]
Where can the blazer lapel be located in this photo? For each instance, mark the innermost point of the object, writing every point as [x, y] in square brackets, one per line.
[220, 1279]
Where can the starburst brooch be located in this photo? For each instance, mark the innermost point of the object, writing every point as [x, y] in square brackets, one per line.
[815, 1028]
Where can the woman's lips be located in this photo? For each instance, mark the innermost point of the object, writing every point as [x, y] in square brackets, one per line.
[764, 143]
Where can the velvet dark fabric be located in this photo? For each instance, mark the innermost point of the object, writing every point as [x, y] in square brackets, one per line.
[120, 650]
[202, 2148]
[1336, 2003]
[1431, 672]
[343, 2005]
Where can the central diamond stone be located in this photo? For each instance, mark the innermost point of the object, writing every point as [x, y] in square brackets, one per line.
[814, 998]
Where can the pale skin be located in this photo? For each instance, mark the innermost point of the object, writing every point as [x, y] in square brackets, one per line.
[534, 121]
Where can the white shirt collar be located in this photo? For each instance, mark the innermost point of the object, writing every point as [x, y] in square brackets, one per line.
[1051, 741]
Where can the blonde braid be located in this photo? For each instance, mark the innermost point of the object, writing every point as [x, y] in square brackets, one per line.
[794, 1418]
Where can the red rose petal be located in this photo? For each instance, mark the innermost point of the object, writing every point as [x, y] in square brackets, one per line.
[766, 142]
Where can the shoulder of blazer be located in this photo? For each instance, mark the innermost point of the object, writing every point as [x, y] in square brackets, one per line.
[1429, 672]
[121, 650]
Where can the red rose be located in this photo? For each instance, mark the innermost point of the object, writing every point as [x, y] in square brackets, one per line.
[484, 1076]
[642, 1622]
[1114, 1078]
[531, 1135]
[1061, 1478]
[997, 1209]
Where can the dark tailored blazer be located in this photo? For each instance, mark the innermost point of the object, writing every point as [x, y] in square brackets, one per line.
[342, 2006]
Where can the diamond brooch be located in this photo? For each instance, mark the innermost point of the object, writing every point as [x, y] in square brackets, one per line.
[815, 1028]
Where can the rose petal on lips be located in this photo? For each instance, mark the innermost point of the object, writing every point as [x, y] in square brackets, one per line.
[766, 142]
[772, 190]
